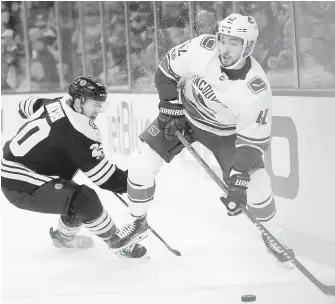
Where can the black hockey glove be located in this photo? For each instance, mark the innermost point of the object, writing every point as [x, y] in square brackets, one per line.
[171, 119]
[237, 193]
[119, 181]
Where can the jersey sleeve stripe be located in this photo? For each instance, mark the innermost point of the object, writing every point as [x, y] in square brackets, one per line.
[107, 175]
[166, 73]
[22, 106]
[254, 140]
[167, 70]
[31, 106]
[12, 167]
[18, 172]
[170, 68]
[97, 168]
[260, 144]
[26, 106]
[100, 174]
[253, 146]
[22, 178]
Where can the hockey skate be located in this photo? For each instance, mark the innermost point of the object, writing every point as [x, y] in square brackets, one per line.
[278, 253]
[76, 242]
[129, 234]
[135, 251]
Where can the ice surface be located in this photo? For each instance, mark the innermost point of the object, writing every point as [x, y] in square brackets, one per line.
[222, 258]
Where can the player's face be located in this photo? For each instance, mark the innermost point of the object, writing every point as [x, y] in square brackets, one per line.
[91, 108]
[230, 49]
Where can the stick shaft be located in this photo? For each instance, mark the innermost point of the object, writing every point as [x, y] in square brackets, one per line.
[174, 251]
[324, 288]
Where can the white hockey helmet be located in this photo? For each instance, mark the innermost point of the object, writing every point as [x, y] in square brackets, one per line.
[244, 27]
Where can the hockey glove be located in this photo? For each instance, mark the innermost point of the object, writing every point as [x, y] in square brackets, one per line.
[237, 192]
[119, 181]
[171, 119]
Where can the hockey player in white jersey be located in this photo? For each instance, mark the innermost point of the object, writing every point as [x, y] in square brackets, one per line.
[216, 93]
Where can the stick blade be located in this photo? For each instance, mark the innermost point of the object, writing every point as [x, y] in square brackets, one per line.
[330, 290]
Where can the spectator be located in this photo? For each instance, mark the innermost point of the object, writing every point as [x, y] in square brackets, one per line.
[9, 60]
[5, 15]
[270, 40]
[205, 23]
[321, 40]
[43, 65]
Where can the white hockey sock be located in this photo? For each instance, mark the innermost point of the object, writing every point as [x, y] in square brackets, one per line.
[140, 197]
[274, 225]
[66, 231]
[103, 226]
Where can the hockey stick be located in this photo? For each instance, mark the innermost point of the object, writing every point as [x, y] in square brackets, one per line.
[327, 289]
[174, 251]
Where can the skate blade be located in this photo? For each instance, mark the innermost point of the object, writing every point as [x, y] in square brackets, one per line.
[134, 240]
[59, 245]
[122, 256]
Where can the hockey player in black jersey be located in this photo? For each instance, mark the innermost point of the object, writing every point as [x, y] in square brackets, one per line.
[58, 139]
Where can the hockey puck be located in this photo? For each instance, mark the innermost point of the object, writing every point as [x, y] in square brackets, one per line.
[248, 298]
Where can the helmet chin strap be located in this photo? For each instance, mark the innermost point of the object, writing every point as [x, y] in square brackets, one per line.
[235, 66]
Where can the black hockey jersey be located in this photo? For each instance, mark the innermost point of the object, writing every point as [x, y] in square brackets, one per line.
[55, 142]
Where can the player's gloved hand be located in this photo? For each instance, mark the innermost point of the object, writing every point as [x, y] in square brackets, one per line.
[119, 181]
[237, 192]
[171, 119]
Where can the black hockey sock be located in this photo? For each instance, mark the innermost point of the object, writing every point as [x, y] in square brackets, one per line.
[103, 226]
[68, 229]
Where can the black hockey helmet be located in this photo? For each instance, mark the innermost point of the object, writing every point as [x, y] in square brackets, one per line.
[83, 87]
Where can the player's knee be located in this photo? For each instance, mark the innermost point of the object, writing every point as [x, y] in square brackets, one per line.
[144, 165]
[260, 197]
[143, 169]
[86, 204]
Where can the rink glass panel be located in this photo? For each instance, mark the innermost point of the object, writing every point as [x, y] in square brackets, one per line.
[43, 46]
[116, 49]
[121, 43]
[70, 34]
[317, 44]
[14, 49]
[173, 25]
[92, 47]
[142, 45]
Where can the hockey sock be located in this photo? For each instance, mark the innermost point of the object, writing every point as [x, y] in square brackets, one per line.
[140, 197]
[103, 226]
[68, 227]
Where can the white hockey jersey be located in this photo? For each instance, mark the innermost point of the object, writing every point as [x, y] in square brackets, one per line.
[216, 103]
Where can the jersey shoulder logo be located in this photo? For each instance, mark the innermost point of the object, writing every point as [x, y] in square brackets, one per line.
[257, 85]
[97, 151]
[208, 42]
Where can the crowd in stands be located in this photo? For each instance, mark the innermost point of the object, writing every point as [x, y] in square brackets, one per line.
[50, 43]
